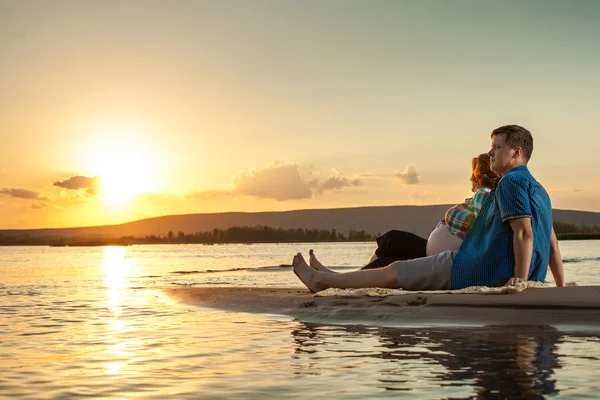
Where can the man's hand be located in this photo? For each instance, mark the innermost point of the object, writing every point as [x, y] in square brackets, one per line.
[555, 261]
[513, 281]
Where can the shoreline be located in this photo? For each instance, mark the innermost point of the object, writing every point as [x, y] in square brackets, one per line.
[571, 307]
[566, 237]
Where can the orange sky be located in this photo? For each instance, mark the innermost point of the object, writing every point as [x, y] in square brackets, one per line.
[115, 111]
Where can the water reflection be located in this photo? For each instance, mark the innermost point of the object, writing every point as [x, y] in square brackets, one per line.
[492, 362]
[116, 269]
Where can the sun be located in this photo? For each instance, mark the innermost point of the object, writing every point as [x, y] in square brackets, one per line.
[125, 170]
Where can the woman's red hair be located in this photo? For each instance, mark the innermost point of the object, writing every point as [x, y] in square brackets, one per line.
[482, 173]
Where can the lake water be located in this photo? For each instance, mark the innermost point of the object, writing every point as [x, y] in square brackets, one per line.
[92, 322]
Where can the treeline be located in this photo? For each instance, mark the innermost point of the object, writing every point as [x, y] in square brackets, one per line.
[578, 236]
[236, 234]
[256, 234]
[569, 227]
[264, 234]
[572, 231]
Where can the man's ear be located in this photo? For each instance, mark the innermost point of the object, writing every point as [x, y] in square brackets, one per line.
[518, 152]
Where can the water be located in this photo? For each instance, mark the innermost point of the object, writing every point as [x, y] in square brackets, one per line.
[92, 322]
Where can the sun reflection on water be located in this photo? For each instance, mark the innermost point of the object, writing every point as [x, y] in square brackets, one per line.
[116, 270]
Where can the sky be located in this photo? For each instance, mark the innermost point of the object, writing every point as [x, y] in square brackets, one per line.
[113, 111]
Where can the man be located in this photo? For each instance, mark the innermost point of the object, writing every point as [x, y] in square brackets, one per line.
[510, 241]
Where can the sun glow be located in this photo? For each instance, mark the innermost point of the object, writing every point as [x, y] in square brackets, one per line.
[126, 170]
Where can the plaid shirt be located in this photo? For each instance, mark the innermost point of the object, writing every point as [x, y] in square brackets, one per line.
[460, 217]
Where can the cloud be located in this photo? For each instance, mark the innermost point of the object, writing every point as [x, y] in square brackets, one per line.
[409, 176]
[337, 182]
[47, 205]
[80, 182]
[280, 181]
[22, 194]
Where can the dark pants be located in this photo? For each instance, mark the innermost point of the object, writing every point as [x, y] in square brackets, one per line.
[397, 246]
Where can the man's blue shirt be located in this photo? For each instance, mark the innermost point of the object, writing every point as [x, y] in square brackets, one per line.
[486, 256]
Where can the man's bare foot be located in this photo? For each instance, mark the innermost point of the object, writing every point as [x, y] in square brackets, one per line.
[306, 274]
[316, 264]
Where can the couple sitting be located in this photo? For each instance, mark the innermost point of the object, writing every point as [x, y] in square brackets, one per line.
[502, 235]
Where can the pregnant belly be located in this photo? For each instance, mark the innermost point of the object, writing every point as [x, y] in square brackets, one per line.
[441, 240]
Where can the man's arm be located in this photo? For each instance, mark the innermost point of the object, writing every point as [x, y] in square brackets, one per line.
[555, 263]
[523, 248]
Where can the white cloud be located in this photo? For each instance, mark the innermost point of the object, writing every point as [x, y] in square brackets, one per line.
[409, 176]
[79, 182]
[280, 181]
[336, 183]
[22, 194]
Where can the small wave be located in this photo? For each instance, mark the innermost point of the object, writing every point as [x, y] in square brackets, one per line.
[271, 267]
[214, 271]
[254, 269]
[580, 259]
[197, 284]
[207, 271]
[185, 272]
[20, 292]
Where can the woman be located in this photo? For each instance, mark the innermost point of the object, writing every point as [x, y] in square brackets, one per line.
[447, 235]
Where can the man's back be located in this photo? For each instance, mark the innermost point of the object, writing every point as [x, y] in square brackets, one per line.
[486, 257]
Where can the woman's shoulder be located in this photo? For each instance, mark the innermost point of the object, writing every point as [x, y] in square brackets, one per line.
[480, 194]
[483, 192]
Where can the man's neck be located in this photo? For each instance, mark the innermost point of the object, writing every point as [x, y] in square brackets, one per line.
[516, 165]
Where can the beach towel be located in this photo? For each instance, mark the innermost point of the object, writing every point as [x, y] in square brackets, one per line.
[381, 292]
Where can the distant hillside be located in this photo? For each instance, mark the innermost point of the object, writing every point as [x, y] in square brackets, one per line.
[417, 219]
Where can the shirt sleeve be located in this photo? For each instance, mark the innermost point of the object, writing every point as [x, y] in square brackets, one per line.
[512, 197]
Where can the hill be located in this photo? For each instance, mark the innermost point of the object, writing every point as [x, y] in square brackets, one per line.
[417, 219]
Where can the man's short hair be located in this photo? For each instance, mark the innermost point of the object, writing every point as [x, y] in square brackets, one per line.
[516, 136]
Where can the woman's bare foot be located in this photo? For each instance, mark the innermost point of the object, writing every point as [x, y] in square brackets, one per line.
[316, 264]
[306, 274]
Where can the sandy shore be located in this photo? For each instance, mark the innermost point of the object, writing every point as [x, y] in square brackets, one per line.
[570, 306]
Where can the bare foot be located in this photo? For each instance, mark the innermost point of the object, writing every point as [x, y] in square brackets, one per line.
[316, 264]
[306, 274]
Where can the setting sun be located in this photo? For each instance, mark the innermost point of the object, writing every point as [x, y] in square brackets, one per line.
[126, 170]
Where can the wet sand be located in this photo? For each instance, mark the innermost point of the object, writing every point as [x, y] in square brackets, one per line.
[569, 306]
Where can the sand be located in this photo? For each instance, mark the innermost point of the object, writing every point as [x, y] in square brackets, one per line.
[569, 306]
